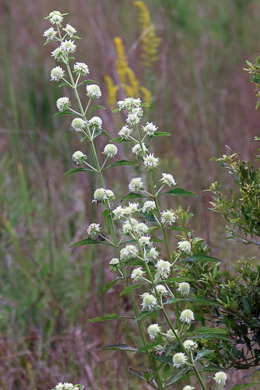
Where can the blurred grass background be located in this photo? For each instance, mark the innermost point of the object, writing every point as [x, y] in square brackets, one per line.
[200, 94]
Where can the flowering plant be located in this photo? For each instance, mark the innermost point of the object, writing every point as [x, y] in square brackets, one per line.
[162, 283]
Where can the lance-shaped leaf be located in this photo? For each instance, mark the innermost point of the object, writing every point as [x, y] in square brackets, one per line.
[145, 314]
[120, 163]
[120, 140]
[178, 191]
[77, 170]
[160, 134]
[132, 195]
[148, 347]
[244, 386]
[202, 259]
[98, 132]
[119, 347]
[89, 241]
[97, 108]
[87, 82]
[67, 112]
[109, 285]
[129, 289]
[109, 317]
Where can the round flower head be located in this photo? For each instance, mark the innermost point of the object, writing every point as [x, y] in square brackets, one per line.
[137, 111]
[93, 91]
[184, 246]
[128, 252]
[136, 184]
[100, 195]
[220, 377]
[149, 206]
[188, 387]
[114, 261]
[78, 157]
[168, 217]
[133, 119]
[163, 269]
[149, 301]
[68, 46]
[110, 150]
[128, 227]
[187, 316]
[151, 162]
[57, 73]
[150, 128]
[119, 212]
[113, 264]
[55, 17]
[154, 330]
[179, 359]
[94, 230]
[110, 195]
[58, 53]
[95, 121]
[170, 335]
[133, 207]
[161, 289]
[129, 104]
[63, 103]
[153, 254]
[70, 30]
[50, 34]
[168, 179]
[144, 241]
[183, 288]
[81, 69]
[190, 345]
[78, 124]
[137, 274]
[139, 150]
[141, 228]
[125, 132]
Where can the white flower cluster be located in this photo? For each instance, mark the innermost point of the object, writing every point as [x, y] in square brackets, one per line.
[63, 103]
[120, 212]
[148, 207]
[50, 34]
[96, 122]
[184, 246]
[179, 359]
[149, 128]
[220, 378]
[94, 230]
[140, 150]
[93, 91]
[78, 157]
[149, 301]
[163, 269]
[168, 179]
[128, 252]
[100, 195]
[80, 68]
[151, 162]
[78, 124]
[57, 73]
[187, 316]
[125, 132]
[168, 217]
[66, 386]
[183, 288]
[55, 17]
[70, 30]
[137, 274]
[136, 184]
[154, 330]
[110, 150]
[129, 104]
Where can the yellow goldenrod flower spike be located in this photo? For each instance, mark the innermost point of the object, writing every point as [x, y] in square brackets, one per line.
[112, 91]
[150, 41]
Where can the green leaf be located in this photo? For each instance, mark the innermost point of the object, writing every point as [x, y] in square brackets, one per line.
[148, 347]
[137, 373]
[97, 108]
[154, 239]
[202, 259]
[98, 132]
[108, 218]
[87, 82]
[145, 314]
[177, 279]
[108, 286]
[120, 140]
[204, 301]
[65, 84]
[67, 112]
[119, 347]
[132, 195]
[161, 134]
[179, 229]
[129, 289]
[178, 191]
[120, 163]
[116, 110]
[206, 330]
[108, 317]
[202, 354]
[89, 241]
[77, 170]
[177, 376]
[244, 386]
